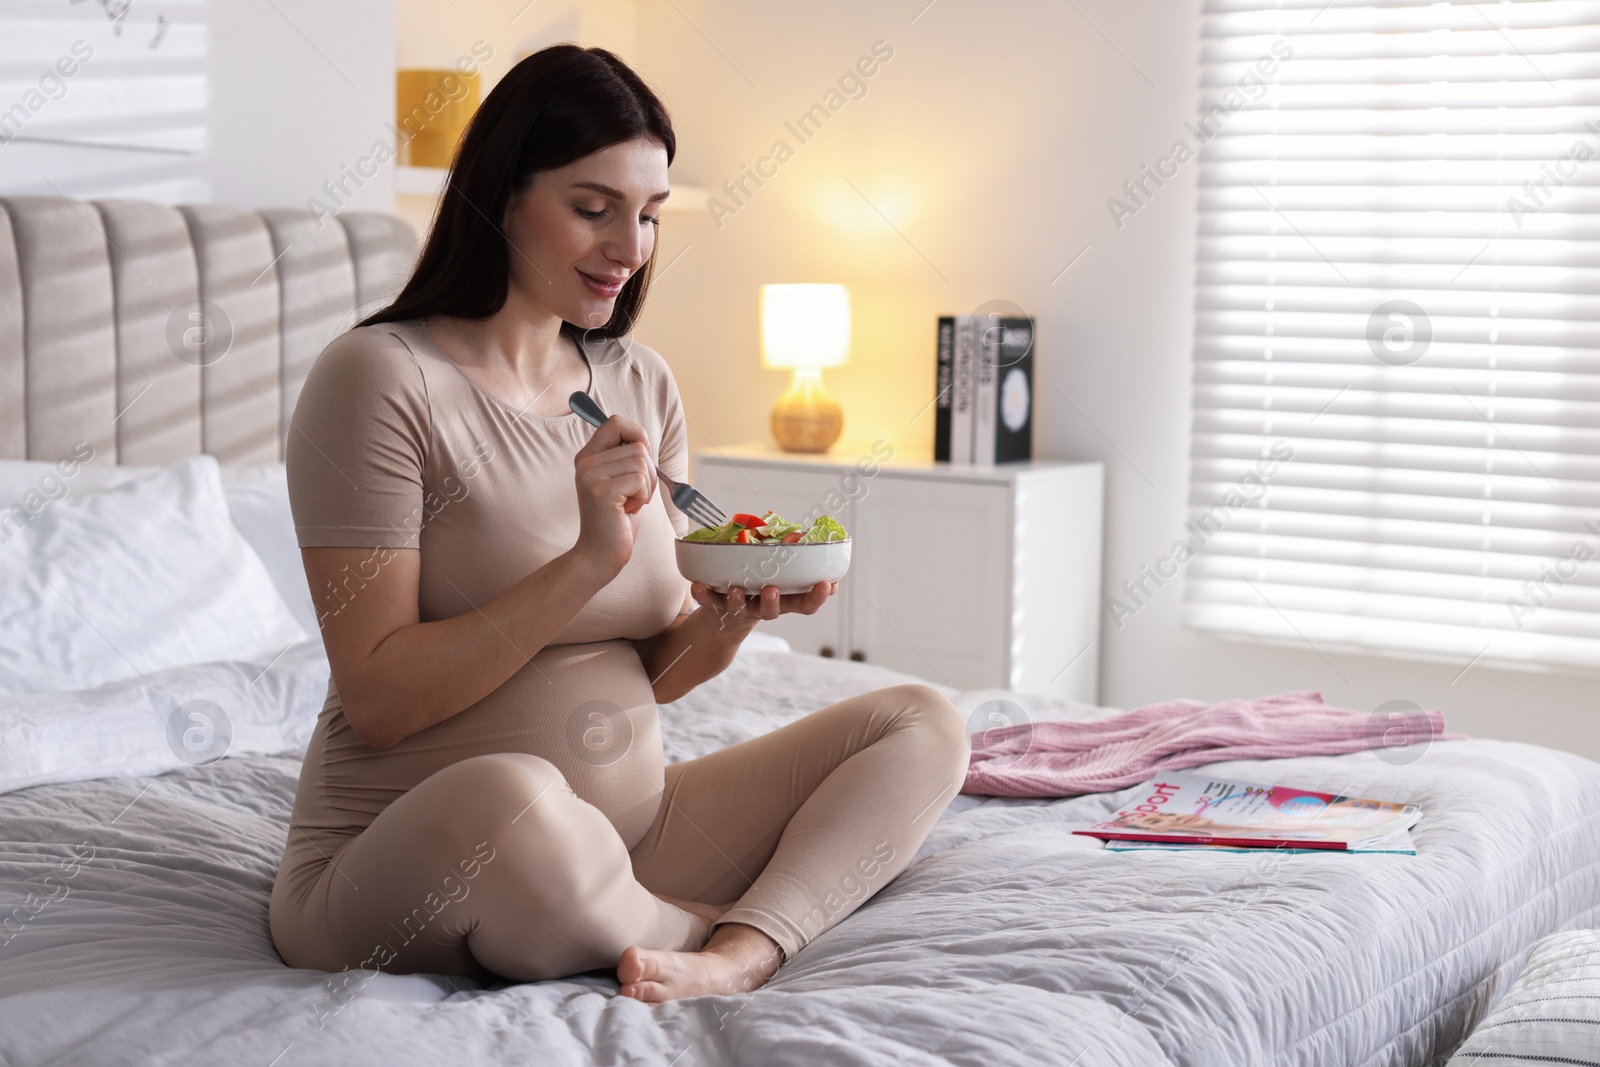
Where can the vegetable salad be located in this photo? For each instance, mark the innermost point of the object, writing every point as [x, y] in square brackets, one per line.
[768, 529]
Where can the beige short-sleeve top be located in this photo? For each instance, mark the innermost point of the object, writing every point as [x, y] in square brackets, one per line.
[393, 446]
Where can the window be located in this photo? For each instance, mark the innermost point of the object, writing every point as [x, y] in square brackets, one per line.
[1396, 442]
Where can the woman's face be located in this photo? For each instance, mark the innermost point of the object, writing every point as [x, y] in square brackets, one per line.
[582, 230]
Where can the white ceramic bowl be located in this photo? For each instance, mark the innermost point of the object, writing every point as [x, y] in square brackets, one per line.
[792, 568]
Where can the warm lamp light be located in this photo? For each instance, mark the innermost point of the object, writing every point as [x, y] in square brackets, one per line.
[805, 328]
[431, 112]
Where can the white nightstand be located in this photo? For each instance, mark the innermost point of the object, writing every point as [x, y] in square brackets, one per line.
[971, 576]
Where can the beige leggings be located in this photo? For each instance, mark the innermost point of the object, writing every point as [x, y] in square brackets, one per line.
[493, 866]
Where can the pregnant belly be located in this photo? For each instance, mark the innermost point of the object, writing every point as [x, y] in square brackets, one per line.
[587, 708]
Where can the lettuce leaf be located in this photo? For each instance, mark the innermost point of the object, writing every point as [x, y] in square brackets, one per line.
[775, 527]
[721, 535]
[772, 533]
[824, 529]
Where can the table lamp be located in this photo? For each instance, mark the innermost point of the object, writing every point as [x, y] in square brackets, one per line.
[805, 328]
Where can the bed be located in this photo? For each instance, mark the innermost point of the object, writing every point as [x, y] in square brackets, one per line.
[134, 885]
[1007, 940]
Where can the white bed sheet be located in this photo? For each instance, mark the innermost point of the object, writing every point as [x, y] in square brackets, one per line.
[1007, 941]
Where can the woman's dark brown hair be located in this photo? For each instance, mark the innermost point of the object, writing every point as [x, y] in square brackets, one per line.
[556, 106]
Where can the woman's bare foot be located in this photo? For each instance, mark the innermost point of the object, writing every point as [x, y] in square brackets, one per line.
[709, 912]
[737, 959]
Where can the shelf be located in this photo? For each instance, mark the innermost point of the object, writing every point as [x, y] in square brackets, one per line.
[915, 464]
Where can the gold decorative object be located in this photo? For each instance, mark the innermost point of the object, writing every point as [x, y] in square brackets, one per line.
[805, 328]
[431, 111]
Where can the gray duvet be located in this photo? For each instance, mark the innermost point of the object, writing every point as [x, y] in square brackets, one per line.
[138, 928]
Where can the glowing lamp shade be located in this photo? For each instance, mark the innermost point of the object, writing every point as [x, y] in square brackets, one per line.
[805, 328]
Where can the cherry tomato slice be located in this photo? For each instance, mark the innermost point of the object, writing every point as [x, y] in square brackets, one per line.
[746, 519]
[792, 536]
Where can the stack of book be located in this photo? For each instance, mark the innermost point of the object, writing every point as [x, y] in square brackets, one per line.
[1191, 811]
[984, 402]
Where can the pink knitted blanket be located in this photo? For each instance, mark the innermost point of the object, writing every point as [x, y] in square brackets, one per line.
[1063, 759]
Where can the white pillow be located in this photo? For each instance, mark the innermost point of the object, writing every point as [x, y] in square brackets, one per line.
[1551, 1014]
[258, 501]
[30, 484]
[138, 727]
[143, 576]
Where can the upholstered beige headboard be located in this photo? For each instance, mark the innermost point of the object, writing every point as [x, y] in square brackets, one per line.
[155, 332]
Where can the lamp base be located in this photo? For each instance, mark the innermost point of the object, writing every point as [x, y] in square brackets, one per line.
[806, 418]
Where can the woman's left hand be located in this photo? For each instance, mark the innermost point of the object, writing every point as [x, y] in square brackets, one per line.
[740, 613]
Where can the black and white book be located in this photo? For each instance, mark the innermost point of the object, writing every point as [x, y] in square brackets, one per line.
[962, 408]
[986, 330]
[944, 387]
[1003, 427]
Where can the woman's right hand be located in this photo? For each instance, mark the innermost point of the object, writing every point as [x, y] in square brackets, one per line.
[616, 477]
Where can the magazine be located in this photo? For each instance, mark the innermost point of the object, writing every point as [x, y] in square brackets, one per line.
[1194, 809]
[1399, 844]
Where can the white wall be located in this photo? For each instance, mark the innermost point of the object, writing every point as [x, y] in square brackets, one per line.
[436, 35]
[991, 141]
[299, 90]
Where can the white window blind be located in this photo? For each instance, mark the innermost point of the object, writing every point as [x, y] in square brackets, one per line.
[1398, 288]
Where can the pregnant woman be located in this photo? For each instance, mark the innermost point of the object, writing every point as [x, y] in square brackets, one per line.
[485, 793]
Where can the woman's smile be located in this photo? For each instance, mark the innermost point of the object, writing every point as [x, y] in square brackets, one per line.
[605, 288]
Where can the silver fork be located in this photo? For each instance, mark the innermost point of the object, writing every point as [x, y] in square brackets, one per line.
[685, 497]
